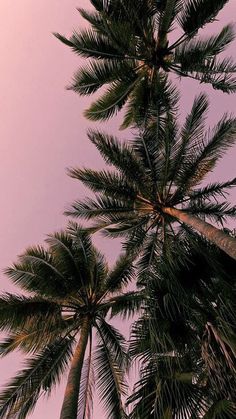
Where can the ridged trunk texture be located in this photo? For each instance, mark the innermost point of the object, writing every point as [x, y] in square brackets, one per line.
[70, 402]
[213, 234]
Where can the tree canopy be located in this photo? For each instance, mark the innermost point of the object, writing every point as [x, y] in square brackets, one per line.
[134, 46]
[157, 182]
[71, 294]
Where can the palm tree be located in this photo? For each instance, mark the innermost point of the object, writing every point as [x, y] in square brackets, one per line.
[131, 52]
[70, 291]
[185, 339]
[156, 185]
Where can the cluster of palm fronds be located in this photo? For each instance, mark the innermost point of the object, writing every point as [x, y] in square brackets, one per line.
[177, 251]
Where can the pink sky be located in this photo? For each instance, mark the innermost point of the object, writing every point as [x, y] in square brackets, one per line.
[42, 132]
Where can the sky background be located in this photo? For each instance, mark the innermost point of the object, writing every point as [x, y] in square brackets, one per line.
[42, 131]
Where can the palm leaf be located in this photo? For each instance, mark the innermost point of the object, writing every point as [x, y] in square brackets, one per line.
[168, 14]
[109, 380]
[115, 342]
[32, 273]
[212, 190]
[119, 155]
[41, 373]
[36, 336]
[89, 45]
[121, 274]
[92, 17]
[111, 101]
[198, 50]
[61, 246]
[222, 409]
[86, 252]
[110, 183]
[91, 78]
[102, 206]
[197, 13]
[213, 148]
[18, 312]
[126, 305]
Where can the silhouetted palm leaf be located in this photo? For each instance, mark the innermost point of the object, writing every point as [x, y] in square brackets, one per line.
[128, 44]
[156, 184]
[71, 292]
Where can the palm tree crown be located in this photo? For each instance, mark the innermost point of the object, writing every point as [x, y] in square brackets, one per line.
[156, 184]
[71, 291]
[131, 52]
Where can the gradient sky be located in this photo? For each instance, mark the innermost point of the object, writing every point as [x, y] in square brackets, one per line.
[42, 131]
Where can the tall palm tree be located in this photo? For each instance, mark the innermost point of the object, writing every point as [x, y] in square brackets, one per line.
[132, 51]
[185, 339]
[70, 292]
[156, 185]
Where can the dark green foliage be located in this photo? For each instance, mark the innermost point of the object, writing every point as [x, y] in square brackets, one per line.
[66, 282]
[131, 54]
[185, 340]
[196, 14]
[41, 373]
[164, 166]
[185, 337]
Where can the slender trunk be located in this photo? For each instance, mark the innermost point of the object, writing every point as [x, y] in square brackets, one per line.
[213, 234]
[71, 397]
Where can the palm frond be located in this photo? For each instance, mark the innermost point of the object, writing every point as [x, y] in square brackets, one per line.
[222, 409]
[215, 211]
[210, 151]
[92, 17]
[169, 11]
[121, 225]
[143, 397]
[90, 208]
[110, 183]
[19, 312]
[115, 342]
[83, 243]
[89, 79]
[61, 247]
[92, 265]
[151, 249]
[112, 100]
[137, 238]
[197, 50]
[193, 127]
[126, 305]
[219, 73]
[34, 269]
[140, 338]
[42, 372]
[109, 378]
[89, 45]
[197, 13]
[35, 337]
[119, 155]
[148, 101]
[121, 274]
[191, 135]
[212, 190]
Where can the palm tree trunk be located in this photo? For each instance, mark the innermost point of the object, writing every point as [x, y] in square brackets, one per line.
[70, 402]
[213, 234]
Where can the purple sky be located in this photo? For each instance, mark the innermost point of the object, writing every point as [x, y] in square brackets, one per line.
[42, 132]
